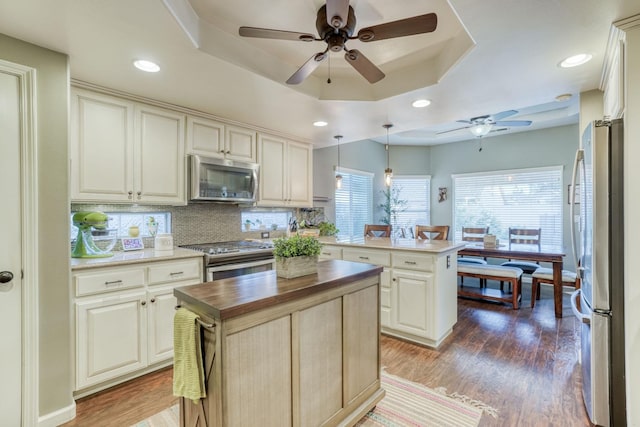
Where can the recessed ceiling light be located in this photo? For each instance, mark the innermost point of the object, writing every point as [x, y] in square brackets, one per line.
[421, 103]
[320, 123]
[148, 66]
[563, 97]
[575, 60]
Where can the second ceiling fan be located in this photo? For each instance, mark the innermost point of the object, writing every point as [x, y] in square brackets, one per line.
[336, 22]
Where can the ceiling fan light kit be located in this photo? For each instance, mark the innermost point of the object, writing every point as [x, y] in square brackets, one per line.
[336, 22]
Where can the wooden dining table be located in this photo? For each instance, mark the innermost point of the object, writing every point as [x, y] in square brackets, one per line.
[552, 254]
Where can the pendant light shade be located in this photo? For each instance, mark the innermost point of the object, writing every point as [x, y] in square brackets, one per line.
[338, 176]
[388, 173]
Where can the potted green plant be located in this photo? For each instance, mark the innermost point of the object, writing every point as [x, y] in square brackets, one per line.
[247, 225]
[327, 228]
[296, 255]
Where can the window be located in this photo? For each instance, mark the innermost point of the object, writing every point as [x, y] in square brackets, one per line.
[416, 191]
[524, 198]
[354, 202]
[121, 221]
[265, 220]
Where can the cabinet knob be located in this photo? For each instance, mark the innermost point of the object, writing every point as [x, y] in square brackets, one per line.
[228, 152]
[139, 193]
[6, 276]
[394, 279]
[130, 193]
[153, 300]
[143, 303]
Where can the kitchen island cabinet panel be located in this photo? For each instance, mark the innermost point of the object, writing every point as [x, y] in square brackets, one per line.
[320, 356]
[258, 368]
[412, 302]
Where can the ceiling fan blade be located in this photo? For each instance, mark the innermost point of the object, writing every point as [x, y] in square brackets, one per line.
[513, 123]
[362, 65]
[265, 33]
[404, 27]
[337, 13]
[503, 115]
[307, 68]
[469, 122]
[452, 130]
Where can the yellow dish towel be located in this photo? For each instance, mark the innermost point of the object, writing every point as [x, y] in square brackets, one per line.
[188, 369]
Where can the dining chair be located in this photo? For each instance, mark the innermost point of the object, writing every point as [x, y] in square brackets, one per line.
[432, 232]
[545, 275]
[377, 230]
[529, 238]
[473, 234]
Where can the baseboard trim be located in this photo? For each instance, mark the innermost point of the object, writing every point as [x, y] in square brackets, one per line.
[58, 417]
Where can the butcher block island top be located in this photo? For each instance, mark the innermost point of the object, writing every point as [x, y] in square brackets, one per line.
[283, 352]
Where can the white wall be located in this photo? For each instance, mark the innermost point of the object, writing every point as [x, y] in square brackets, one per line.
[52, 74]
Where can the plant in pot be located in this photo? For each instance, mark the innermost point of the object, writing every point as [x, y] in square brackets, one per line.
[327, 228]
[296, 255]
[247, 225]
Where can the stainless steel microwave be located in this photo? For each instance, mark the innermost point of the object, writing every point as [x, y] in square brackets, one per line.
[220, 180]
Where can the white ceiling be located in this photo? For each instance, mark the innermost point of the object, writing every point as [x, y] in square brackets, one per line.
[484, 57]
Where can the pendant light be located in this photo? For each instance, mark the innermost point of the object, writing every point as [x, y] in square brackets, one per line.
[338, 176]
[388, 173]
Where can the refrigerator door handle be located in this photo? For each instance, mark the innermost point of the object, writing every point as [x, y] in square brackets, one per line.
[572, 207]
[584, 318]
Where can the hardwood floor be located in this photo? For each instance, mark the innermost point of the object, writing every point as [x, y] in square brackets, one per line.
[521, 362]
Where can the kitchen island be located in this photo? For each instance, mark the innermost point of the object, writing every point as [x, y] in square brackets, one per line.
[418, 295]
[282, 352]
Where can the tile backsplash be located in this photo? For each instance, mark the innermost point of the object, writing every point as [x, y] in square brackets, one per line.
[194, 223]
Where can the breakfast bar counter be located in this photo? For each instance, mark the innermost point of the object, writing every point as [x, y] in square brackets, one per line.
[418, 300]
[301, 351]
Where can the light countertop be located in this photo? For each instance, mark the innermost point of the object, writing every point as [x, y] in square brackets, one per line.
[133, 257]
[432, 246]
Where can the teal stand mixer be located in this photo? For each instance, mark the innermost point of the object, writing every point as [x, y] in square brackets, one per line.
[85, 246]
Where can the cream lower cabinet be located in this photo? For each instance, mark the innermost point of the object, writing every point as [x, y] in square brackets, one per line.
[418, 299]
[286, 172]
[124, 151]
[124, 319]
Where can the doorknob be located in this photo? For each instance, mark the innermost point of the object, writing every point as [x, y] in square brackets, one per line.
[6, 276]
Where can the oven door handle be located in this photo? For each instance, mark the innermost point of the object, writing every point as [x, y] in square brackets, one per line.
[228, 267]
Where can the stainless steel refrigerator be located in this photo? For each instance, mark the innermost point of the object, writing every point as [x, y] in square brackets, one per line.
[598, 239]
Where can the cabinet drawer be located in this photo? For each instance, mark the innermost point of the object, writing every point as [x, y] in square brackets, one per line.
[411, 261]
[371, 257]
[175, 271]
[331, 252]
[108, 280]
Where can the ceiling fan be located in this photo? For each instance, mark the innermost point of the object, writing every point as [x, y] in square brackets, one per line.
[336, 22]
[482, 125]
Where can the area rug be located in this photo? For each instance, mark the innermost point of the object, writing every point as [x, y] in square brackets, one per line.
[406, 404]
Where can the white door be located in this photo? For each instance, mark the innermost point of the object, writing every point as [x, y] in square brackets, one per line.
[10, 254]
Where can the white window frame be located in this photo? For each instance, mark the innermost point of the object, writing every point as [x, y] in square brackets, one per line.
[398, 180]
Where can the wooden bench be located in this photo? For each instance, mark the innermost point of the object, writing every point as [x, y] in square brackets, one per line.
[500, 273]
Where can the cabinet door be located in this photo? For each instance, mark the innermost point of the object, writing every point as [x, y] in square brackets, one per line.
[101, 147]
[240, 144]
[411, 302]
[205, 137]
[272, 159]
[300, 171]
[111, 337]
[159, 156]
[161, 308]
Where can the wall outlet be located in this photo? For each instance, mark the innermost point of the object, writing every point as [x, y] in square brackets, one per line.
[264, 234]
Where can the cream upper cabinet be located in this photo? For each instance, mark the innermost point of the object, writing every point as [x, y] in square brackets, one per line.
[125, 152]
[240, 144]
[214, 139]
[613, 75]
[286, 172]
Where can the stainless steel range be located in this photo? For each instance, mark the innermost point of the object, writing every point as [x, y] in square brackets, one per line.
[230, 259]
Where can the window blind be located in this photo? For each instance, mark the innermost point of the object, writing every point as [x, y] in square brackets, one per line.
[524, 198]
[354, 203]
[416, 191]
